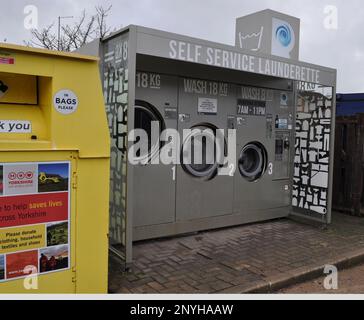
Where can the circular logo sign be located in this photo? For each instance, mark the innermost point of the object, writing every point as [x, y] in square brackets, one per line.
[65, 102]
[284, 35]
[12, 176]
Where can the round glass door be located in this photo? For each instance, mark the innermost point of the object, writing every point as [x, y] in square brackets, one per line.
[253, 161]
[202, 152]
[145, 114]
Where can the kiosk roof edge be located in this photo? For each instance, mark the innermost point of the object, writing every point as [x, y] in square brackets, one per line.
[180, 37]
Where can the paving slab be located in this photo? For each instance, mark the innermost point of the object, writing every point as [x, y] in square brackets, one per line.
[257, 258]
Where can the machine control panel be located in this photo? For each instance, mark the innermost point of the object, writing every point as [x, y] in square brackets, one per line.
[231, 123]
[282, 154]
[283, 124]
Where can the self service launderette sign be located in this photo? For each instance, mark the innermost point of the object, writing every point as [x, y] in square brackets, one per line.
[229, 58]
[34, 218]
[239, 61]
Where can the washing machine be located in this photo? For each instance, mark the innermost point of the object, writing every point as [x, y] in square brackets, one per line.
[264, 129]
[204, 108]
[154, 192]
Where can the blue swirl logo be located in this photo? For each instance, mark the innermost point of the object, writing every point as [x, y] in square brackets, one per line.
[284, 35]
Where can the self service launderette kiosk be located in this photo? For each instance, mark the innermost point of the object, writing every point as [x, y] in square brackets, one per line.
[281, 108]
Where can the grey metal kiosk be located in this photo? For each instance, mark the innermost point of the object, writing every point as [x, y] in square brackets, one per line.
[281, 108]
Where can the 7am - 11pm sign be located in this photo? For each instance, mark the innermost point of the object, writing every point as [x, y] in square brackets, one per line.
[34, 218]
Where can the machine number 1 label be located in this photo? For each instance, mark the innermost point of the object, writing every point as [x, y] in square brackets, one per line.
[174, 173]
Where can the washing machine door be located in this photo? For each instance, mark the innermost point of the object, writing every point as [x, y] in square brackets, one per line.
[153, 193]
[253, 161]
[145, 114]
[203, 152]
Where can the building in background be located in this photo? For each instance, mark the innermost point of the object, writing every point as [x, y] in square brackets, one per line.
[349, 154]
[349, 104]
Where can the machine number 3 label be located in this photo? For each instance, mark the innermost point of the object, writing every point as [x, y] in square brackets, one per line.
[270, 169]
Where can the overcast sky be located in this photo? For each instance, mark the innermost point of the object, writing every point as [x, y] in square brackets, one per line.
[214, 20]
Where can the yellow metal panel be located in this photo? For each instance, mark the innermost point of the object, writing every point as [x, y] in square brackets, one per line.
[92, 243]
[81, 137]
[72, 55]
[18, 88]
[32, 114]
[87, 129]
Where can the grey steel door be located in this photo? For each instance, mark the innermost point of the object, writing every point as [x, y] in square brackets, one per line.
[201, 192]
[154, 186]
[263, 151]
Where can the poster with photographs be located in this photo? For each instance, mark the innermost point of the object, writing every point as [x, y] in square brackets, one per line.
[34, 218]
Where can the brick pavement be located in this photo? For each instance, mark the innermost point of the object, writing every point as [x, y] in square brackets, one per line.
[235, 259]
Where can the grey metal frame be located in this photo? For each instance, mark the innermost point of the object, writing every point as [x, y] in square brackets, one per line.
[327, 219]
[332, 153]
[130, 169]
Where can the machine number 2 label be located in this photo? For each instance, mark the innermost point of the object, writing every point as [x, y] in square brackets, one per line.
[270, 169]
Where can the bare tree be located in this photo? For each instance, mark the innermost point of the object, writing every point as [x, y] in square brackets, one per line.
[73, 36]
